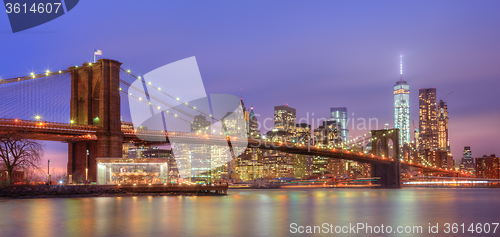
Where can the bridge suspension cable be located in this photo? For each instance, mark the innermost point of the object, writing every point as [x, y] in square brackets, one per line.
[149, 96]
[37, 97]
[162, 92]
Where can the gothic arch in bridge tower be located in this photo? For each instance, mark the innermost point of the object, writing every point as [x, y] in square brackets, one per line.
[390, 148]
[378, 146]
[389, 174]
[381, 139]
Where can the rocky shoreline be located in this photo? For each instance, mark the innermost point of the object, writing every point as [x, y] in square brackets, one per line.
[79, 191]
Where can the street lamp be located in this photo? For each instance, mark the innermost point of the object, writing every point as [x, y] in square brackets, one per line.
[48, 171]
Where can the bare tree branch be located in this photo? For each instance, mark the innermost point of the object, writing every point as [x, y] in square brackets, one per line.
[17, 150]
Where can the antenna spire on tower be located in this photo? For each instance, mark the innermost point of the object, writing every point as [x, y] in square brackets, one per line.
[401, 66]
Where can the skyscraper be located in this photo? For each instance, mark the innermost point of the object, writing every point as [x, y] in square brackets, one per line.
[467, 163]
[444, 143]
[339, 114]
[284, 118]
[428, 137]
[402, 110]
[253, 125]
[402, 107]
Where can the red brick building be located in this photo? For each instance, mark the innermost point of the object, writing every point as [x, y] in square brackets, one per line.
[488, 167]
[17, 176]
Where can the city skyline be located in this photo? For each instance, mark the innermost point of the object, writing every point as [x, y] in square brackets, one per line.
[249, 118]
[325, 70]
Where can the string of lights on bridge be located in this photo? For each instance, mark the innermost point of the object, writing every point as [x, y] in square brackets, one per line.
[164, 103]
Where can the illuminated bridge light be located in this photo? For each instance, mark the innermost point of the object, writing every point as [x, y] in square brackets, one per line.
[60, 71]
[128, 71]
[139, 77]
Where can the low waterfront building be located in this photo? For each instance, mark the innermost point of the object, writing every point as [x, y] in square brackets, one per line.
[488, 167]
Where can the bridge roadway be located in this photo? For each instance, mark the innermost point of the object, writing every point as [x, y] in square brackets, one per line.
[67, 132]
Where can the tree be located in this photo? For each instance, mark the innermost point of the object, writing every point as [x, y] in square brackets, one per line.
[17, 150]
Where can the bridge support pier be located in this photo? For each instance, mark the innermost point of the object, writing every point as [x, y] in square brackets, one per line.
[389, 174]
[95, 100]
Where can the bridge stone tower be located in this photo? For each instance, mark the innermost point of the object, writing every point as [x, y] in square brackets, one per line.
[95, 100]
[390, 174]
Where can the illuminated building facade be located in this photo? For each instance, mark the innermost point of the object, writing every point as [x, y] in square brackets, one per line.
[428, 121]
[339, 114]
[443, 140]
[303, 164]
[320, 165]
[303, 133]
[467, 162]
[278, 165]
[200, 125]
[250, 164]
[153, 153]
[328, 134]
[402, 111]
[253, 125]
[284, 118]
[488, 167]
[130, 171]
[200, 154]
[416, 134]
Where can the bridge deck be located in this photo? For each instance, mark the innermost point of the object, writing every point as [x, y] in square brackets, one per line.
[70, 132]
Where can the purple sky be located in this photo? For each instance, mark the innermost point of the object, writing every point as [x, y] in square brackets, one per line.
[312, 55]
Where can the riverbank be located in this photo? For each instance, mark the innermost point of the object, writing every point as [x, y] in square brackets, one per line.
[81, 191]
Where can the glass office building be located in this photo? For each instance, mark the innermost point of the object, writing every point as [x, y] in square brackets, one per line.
[339, 114]
[402, 111]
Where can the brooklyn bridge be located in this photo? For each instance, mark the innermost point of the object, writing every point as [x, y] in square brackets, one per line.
[83, 106]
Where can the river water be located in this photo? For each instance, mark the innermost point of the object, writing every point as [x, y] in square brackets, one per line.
[255, 213]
